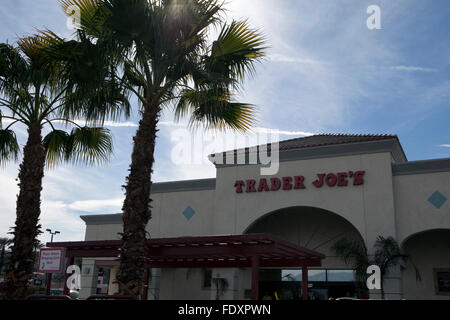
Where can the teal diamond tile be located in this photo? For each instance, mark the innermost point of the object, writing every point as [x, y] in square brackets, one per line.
[188, 213]
[437, 199]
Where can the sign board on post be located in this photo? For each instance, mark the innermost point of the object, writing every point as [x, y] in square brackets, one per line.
[50, 260]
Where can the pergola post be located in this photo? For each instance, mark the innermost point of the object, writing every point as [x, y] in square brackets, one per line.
[304, 282]
[49, 283]
[255, 277]
[145, 287]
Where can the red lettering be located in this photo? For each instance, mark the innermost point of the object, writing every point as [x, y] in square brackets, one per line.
[319, 182]
[358, 178]
[287, 183]
[342, 179]
[276, 184]
[251, 186]
[238, 185]
[263, 186]
[299, 182]
[331, 179]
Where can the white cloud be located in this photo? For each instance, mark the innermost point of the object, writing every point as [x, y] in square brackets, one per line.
[120, 124]
[413, 68]
[56, 216]
[283, 132]
[96, 206]
[284, 58]
[114, 124]
[445, 145]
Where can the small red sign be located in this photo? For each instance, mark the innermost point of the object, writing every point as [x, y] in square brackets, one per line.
[50, 260]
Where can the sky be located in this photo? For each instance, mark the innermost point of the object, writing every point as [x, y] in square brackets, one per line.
[325, 72]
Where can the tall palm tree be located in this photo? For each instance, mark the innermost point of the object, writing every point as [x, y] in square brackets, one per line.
[387, 255]
[168, 60]
[38, 94]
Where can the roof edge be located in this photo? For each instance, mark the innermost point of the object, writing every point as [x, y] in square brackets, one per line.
[183, 186]
[337, 150]
[421, 167]
[98, 219]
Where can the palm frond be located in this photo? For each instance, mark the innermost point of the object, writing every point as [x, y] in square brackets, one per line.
[387, 252]
[9, 147]
[92, 14]
[86, 145]
[91, 90]
[14, 69]
[55, 144]
[215, 109]
[89, 145]
[236, 50]
[353, 250]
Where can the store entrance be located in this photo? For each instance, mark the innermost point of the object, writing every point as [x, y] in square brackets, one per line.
[323, 284]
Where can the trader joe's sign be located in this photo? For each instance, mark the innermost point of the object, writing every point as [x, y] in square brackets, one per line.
[339, 179]
[50, 260]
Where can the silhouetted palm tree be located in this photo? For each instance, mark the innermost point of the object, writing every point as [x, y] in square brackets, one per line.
[37, 92]
[167, 59]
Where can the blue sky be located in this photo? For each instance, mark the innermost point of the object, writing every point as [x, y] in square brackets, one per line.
[326, 72]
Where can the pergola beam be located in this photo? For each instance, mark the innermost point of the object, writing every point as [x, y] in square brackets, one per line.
[241, 251]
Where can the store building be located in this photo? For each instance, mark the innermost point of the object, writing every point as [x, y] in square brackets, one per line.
[328, 187]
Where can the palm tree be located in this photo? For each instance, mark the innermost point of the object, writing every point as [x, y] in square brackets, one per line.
[39, 94]
[4, 243]
[168, 60]
[387, 255]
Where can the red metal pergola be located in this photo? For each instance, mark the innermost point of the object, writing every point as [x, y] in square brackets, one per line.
[239, 251]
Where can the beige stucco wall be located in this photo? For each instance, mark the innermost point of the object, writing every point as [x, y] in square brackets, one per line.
[167, 217]
[183, 284]
[96, 232]
[428, 250]
[413, 211]
[369, 208]
[167, 214]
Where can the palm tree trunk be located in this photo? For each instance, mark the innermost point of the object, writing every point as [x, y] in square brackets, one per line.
[2, 259]
[136, 208]
[28, 209]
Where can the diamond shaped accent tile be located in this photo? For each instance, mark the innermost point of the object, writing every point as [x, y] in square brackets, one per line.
[188, 213]
[437, 199]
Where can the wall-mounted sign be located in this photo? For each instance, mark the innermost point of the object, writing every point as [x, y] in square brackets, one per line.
[340, 179]
[50, 260]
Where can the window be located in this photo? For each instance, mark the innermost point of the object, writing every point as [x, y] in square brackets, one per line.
[442, 281]
[317, 275]
[314, 275]
[341, 275]
[291, 275]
